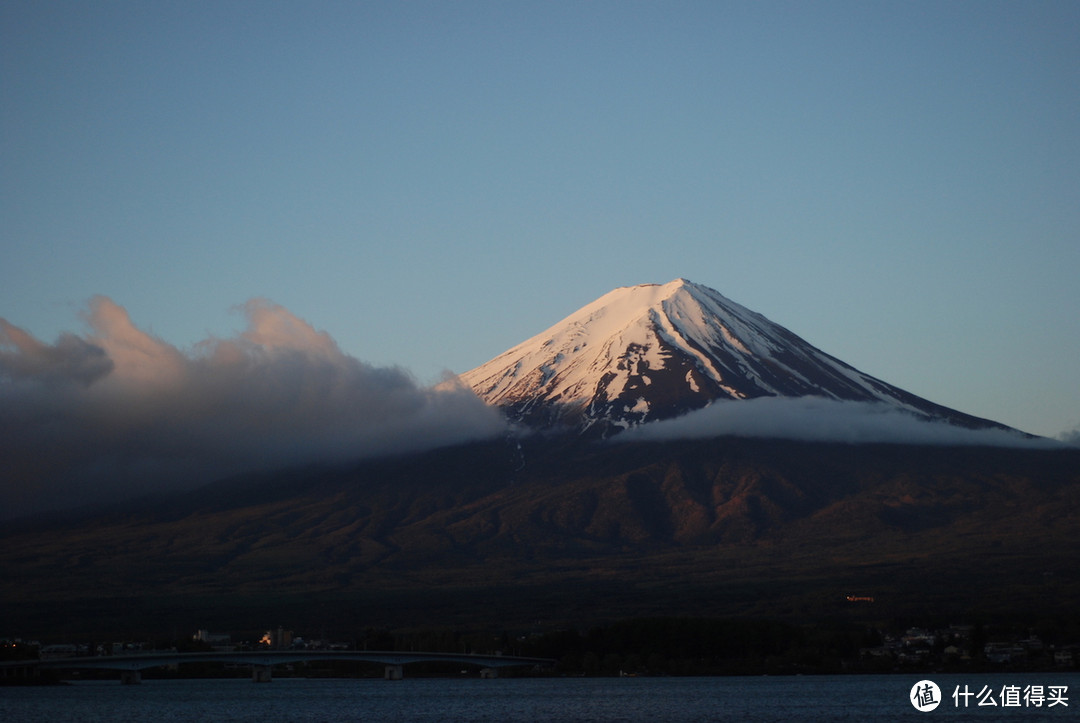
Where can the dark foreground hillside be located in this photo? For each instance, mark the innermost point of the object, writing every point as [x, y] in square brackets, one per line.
[554, 533]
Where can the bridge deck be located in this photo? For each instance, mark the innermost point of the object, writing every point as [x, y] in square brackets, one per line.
[142, 661]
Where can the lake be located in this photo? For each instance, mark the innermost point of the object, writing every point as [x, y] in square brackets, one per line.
[600, 700]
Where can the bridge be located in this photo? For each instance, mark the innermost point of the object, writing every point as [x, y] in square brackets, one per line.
[262, 661]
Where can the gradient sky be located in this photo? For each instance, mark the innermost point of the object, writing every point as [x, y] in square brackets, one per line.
[431, 183]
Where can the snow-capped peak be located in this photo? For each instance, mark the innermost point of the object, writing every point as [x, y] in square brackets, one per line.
[655, 351]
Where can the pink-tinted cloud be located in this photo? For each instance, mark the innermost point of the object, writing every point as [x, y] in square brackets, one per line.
[71, 359]
[138, 357]
[119, 412]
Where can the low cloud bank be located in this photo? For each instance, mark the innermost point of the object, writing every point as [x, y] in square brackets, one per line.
[816, 419]
[118, 412]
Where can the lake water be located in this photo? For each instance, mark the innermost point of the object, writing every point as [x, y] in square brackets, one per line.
[601, 700]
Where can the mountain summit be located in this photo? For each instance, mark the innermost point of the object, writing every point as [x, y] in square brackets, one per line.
[649, 352]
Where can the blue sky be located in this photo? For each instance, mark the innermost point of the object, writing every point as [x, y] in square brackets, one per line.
[431, 183]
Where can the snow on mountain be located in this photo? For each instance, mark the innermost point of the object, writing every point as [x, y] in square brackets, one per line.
[649, 352]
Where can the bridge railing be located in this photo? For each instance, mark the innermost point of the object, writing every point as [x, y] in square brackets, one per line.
[264, 660]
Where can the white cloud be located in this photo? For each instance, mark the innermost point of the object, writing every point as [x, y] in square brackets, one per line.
[817, 419]
[1071, 437]
[119, 412]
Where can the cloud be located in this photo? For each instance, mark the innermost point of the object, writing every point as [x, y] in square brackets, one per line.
[1071, 437]
[71, 359]
[118, 412]
[817, 419]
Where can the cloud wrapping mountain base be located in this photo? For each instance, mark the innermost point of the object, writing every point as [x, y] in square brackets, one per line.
[119, 412]
[817, 419]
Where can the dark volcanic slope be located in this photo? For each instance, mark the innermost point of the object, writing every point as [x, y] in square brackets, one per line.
[568, 531]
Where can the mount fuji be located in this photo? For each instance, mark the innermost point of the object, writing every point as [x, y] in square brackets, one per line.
[650, 352]
[567, 531]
